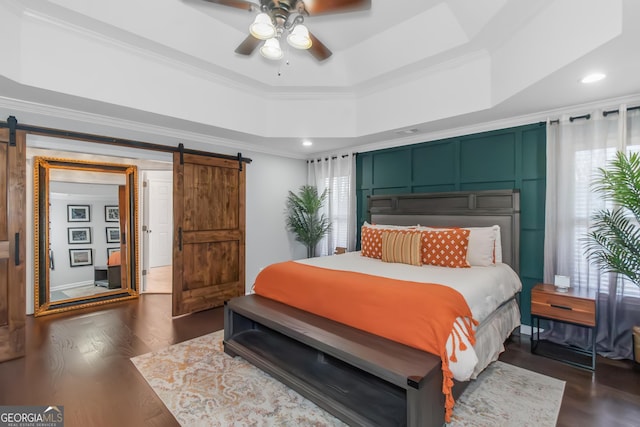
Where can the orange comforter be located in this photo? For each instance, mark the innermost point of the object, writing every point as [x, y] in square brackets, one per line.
[416, 314]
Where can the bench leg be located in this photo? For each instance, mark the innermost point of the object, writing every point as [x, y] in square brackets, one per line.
[425, 405]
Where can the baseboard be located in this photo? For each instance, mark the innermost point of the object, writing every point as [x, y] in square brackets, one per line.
[71, 285]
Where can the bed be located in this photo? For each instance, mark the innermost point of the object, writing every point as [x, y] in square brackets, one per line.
[387, 376]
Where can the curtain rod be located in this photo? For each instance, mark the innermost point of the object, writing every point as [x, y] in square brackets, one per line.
[13, 124]
[571, 119]
[588, 116]
[584, 116]
[606, 113]
[329, 158]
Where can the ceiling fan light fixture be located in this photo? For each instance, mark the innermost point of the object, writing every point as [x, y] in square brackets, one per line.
[262, 27]
[299, 37]
[271, 49]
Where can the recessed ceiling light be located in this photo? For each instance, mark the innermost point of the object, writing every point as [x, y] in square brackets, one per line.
[307, 143]
[592, 78]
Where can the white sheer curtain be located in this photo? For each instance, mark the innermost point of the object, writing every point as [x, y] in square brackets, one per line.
[337, 174]
[575, 150]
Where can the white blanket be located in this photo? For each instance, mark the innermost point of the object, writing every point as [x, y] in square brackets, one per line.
[484, 289]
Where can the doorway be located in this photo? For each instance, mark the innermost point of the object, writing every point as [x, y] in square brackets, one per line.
[200, 235]
[158, 231]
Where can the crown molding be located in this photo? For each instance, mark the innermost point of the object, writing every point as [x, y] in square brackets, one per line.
[226, 144]
[543, 116]
[156, 134]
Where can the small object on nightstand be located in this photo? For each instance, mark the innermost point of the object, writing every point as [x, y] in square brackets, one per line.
[340, 250]
[571, 305]
[563, 283]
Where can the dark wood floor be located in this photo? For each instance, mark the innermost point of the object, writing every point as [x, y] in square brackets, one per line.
[81, 360]
[610, 397]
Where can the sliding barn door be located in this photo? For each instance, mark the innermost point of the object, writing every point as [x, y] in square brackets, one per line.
[209, 223]
[12, 245]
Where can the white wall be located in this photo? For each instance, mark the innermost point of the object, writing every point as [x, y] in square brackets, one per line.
[269, 180]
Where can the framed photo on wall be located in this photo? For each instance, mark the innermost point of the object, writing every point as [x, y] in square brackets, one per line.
[80, 257]
[111, 214]
[111, 251]
[78, 213]
[113, 235]
[78, 235]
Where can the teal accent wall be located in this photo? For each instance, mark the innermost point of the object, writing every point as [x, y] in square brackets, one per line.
[513, 158]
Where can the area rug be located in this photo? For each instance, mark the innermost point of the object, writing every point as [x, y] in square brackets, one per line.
[202, 386]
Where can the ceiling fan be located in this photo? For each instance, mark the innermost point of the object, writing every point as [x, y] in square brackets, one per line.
[280, 18]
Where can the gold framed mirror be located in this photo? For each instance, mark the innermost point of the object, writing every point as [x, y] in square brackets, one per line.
[85, 234]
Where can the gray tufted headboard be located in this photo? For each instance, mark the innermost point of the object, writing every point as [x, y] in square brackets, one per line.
[455, 209]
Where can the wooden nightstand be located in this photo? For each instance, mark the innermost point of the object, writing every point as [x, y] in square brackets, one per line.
[575, 306]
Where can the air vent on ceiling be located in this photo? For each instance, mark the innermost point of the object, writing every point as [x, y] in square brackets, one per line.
[407, 131]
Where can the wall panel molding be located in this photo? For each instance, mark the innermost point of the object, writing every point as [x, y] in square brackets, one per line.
[511, 158]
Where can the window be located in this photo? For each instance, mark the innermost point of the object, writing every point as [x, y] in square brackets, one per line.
[338, 203]
[585, 273]
[335, 175]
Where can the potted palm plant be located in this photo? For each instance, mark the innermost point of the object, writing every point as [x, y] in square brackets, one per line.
[613, 241]
[304, 218]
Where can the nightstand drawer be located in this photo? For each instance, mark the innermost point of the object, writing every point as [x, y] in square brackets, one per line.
[564, 308]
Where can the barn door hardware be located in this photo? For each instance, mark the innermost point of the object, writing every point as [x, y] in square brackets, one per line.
[12, 122]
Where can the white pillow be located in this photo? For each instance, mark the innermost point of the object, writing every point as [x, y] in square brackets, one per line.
[482, 245]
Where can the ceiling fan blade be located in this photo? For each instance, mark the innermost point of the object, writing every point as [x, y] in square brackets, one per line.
[238, 4]
[248, 45]
[336, 6]
[318, 49]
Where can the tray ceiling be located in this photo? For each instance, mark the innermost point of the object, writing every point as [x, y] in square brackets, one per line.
[429, 66]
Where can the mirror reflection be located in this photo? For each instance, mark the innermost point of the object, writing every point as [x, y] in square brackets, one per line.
[85, 233]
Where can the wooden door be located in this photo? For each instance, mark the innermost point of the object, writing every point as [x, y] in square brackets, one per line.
[12, 245]
[209, 226]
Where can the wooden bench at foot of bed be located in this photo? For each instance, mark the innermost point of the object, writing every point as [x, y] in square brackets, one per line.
[361, 378]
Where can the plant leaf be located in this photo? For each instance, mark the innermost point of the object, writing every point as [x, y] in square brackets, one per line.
[303, 217]
[613, 240]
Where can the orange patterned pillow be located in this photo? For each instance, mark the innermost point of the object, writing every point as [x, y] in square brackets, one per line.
[371, 238]
[371, 242]
[445, 248]
[402, 246]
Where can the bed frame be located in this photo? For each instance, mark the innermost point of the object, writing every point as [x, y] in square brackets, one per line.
[361, 378]
[462, 209]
